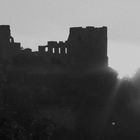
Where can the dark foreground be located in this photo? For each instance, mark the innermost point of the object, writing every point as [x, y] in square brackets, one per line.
[61, 107]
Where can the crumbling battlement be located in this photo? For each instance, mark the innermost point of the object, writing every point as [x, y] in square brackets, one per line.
[84, 45]
[53, 48]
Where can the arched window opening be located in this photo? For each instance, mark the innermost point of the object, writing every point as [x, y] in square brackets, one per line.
[46, 49]
[53, 50]
[59, 50]
[66, 50]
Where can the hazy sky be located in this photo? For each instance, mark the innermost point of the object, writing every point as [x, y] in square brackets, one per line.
[34, 22]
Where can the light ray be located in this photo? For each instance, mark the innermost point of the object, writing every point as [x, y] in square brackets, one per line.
[108, 109]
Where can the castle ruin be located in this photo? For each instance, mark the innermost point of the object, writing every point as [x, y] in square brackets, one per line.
[85, 48]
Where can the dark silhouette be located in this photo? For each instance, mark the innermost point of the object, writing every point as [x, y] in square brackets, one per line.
[84, 51]
[65, 90]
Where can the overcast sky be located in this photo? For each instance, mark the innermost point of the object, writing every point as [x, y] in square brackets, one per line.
[34, 22]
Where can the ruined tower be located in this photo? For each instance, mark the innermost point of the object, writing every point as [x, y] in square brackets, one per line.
[88, 46]
[8, 48]
[4, 40]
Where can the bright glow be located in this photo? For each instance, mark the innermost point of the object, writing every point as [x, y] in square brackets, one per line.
[125, 58]
[113, 123]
